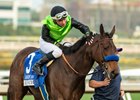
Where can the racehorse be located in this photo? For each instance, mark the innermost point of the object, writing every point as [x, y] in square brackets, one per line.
[66, 77]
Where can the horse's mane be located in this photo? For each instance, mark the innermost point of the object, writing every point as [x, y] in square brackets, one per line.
[75, 47]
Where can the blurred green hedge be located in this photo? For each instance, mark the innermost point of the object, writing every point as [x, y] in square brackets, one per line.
[21, 30]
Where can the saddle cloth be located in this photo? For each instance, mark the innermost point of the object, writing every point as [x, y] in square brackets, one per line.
[30, 77]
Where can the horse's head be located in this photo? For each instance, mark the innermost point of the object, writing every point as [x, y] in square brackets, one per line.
[103, 51]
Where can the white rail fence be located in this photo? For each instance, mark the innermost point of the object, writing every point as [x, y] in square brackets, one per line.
[127, 86]
[19, 42]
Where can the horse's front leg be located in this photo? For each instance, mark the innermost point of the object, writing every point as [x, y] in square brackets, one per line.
[56, 98]
[79, 91]
[55, 95]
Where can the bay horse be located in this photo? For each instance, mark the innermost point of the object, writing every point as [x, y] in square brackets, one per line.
[66, 75]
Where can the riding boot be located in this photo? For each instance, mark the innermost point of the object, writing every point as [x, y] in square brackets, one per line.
[38, 65]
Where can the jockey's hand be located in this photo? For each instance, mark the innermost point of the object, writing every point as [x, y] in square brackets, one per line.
[89, 38]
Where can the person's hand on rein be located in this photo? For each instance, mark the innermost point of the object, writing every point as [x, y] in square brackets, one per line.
[106, 82]
[89, 38]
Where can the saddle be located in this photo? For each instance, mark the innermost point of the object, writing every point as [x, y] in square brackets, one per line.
[30, 77]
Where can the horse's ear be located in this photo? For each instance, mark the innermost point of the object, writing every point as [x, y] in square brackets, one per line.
[112, 31]
[101, 29]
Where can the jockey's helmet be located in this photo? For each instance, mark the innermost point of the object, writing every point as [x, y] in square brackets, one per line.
[58, 12]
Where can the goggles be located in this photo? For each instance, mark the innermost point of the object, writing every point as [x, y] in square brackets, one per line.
[61, 15]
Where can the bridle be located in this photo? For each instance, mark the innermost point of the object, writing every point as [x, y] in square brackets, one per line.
[103, 64]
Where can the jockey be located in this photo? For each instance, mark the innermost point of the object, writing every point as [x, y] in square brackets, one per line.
[55, 27]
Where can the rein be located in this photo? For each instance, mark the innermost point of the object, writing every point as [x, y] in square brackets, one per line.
[65, 59]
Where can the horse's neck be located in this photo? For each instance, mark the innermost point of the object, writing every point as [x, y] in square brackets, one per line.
[80, 61]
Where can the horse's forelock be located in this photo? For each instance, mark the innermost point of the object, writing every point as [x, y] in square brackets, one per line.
[107, 34]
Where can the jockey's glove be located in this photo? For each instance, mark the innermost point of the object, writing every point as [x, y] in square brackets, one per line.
[89, 38]
[87, 33]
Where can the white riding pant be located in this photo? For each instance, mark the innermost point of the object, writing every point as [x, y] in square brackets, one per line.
[47, 47]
